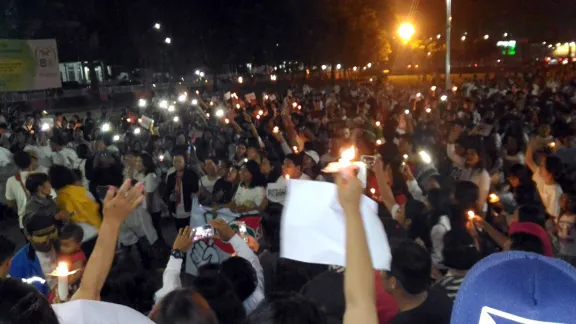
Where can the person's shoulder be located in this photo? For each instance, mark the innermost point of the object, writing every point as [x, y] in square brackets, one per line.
[70, 312]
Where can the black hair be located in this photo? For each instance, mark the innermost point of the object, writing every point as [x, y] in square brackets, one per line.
[148, 163]
[83, 151]
[7, 249]
[296, 158]
[183, 306]
[77, 174]
[22, 160]
[258, 179]
[459, 251]
[466, 194]
[241, 275]
[419, 228]
[526, 242]
[521, 172]
[532, 214]
[287, 309]
[150, 144]
[108, 139]
[22, 303]
[554, 166]
[3, 126]
[476, 143]
[61, 176]
[220, 295]
[527, 195]
[35, 181]
[439, 201]
[129, 286]
[71, 231]
[411, 266]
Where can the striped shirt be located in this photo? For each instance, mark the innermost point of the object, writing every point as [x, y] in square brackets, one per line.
[450, 284]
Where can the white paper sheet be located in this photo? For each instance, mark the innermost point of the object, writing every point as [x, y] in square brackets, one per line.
[313, 226]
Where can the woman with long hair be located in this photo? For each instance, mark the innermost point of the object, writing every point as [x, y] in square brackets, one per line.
[250, 195]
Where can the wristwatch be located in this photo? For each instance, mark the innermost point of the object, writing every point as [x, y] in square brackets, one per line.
[178, 254]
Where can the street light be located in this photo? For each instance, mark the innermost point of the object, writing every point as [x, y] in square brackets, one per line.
[486, 36]
[463, 38]
[168, 40]
[157, 26]
[406, 31]
[505, 35]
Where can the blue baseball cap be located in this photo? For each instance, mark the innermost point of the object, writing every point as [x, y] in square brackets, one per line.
[517, 287]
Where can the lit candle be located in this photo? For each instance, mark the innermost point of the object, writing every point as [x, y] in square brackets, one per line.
[295, 149]
[287, 177]
[494, 198]
[372, 190]
[62, 273]
[260, 112]
[237, 106]
[257, 116]
[128, 120]
[294, 104]
[378, 142]
[227, 121]
[471, 214]
[378, 124]
[345, 162]
[276, 129]
[428, 110]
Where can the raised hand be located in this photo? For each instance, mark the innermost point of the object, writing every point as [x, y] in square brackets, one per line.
[184, 240]
[119, 203]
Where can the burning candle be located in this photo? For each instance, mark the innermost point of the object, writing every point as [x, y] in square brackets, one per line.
[276, 130]
[227, 121]
[378, 142]
[471, 214]
[237, 106]
[260, 112]
[345, 162]
[287, 177]
[62, 273]
[378, 124]
[295, 149]
[373, 191]
[493, 198]
[405, 156]
[294, 104]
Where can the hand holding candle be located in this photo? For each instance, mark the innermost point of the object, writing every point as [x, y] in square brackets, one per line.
[347, 167]
[62, 273]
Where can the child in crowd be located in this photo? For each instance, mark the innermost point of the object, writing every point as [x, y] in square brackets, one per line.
[70, 252]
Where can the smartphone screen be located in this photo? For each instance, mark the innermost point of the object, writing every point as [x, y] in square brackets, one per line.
[203, 232]
[368, 159]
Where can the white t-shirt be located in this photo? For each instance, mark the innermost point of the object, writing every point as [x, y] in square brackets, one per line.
[249, 197]
[207, 183]
[550, 194]
[151, 182]
[276, 191]
[43, 153]
[48, 264]
[97, 312]
[66, 157]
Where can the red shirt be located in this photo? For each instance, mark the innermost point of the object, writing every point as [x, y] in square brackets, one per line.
[386, 305]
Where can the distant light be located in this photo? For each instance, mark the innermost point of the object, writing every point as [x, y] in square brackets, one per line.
[171, 108]
[194, 102]
[197, 72]
[299, 107]
[237, 106]
[505, 35]
[168, 40]
[142, 103]
[369, 65]
[182, 97]
[338, 66]
[44, 112]
[202, 74]
[379, 142]
[273, 77]
[157, 26]
[105, 127]
[454, 88]
[260, 112]
[372, 190]
[438, 36]
[429, 53]
[211, 103]
[498, 60]
[240, 80]
[323, 67]
[433, 88]
[258, 117]
[371, 79]
[219, 113]
[116, 138]
[355, 68]
[207, 115]
[154, 85]
[486, 36]
[378, 124]
[428, 110]
[444, 97]
[543, 43]
[227, 121]
[550, 46]
[407, 112]
[137, 130]
[163, 104]
[463, 38]
[176, 119]
[418, 95]
[128, 120]
[139, 120]
[294, 104]
[425, 157]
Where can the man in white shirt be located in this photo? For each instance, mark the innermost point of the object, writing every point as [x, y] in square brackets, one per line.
[62, 155]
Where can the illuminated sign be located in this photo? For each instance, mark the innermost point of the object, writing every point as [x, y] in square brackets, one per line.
[508, 48]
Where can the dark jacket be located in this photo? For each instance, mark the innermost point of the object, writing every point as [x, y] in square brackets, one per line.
[189, 186]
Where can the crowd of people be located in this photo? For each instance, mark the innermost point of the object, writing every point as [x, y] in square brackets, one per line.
[474, 185]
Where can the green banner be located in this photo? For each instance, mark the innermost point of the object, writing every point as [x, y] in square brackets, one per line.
[28, 65]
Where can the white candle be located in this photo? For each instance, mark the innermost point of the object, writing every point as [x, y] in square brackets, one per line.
[344, 164]
[62, 273]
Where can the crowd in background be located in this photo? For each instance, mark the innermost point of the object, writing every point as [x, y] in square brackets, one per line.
[462, 176]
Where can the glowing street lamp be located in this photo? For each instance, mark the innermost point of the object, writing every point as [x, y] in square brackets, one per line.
[463, 38]
[157, 26]
[406, 31]
[168, 40]
[486, 36]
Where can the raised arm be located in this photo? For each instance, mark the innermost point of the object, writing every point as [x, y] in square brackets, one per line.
[359, 283]
[385, 190]
[530, 157]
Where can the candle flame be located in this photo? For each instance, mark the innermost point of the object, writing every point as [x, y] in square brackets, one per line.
[287, 177]
[471, 214]
[62, 270]
[378, 142]
[378, 124]
[227, 121]
[372, 190]
[260, 112]
[494, 198]
[348, 155]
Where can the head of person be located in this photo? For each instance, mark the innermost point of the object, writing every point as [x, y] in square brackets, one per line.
[240, 150]
[233, 175]
[409, 272]
[83, 151]
[346, 132]
[459, 251]
[475, 155]
[250, 175]
[129, 159]
[529, 214]
[78, 134]
[145, 163]
[220, 295]
[465, 194]
[241, 275]
[183, 306]
[210, 167]
[38, 184]
[25, 304]
[60, 177]
[57, 143]
[154, 143]
[179, 161]
[223, 168]
[519, 175]
[22, 160]
[292, 166]
[529, 237]
[287, 309]
[7, 249]
[129, 286]
[99, 145]
[70, 238]
[59, 116]
[253, 152]
[551, 168]
[41, 230]
[310, 160]
[544, 130]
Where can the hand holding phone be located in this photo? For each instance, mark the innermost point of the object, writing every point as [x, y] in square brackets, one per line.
[202, 232]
